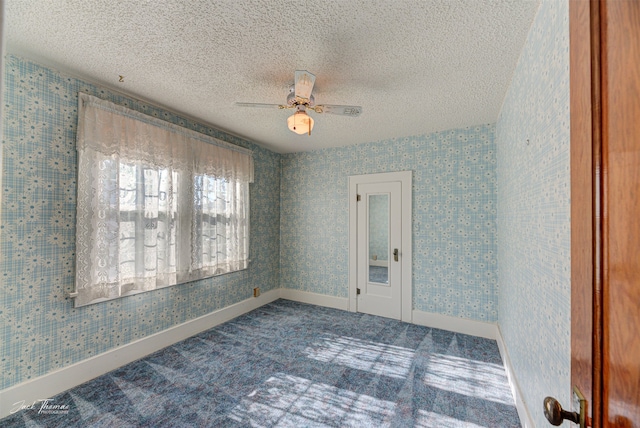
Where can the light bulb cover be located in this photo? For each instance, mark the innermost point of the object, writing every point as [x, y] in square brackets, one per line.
[300, 123]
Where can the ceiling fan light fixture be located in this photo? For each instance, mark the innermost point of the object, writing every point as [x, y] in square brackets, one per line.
[300, 123]
[301, 98]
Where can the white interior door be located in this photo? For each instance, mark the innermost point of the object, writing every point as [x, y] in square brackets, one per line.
[369, 291]
[379, 245]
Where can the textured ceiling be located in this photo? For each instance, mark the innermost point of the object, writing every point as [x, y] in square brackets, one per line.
[415, 66]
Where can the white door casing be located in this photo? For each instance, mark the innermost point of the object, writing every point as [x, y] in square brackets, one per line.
[392, 300]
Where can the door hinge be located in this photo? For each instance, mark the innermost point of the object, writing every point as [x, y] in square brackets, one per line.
[357, 291]
[358, 198]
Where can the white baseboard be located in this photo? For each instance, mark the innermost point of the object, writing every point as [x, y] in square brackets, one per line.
[315, 299]
[58, 381]
[455, 324]
[523, 410]
[458, 325]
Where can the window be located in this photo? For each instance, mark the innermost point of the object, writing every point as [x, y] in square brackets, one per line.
[158, 205]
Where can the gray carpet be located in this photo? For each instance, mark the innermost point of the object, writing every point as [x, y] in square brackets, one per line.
[289, 364]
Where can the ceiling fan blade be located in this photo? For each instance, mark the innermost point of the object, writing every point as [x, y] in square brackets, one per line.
[261, 105]
[304, 84]
[353, 111]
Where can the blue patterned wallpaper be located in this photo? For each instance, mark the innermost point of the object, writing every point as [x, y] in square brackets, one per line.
[532, 136]
[454, 218]
[39, 329]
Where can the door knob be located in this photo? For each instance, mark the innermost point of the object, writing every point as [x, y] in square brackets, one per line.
[555, 414]
[395, 254]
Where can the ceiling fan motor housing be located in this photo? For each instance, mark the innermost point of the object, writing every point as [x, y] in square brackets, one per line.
[291, 98]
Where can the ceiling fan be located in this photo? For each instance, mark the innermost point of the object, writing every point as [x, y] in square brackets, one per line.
[301, 99]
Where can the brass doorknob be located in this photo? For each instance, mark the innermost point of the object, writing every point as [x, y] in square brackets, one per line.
[555, 414]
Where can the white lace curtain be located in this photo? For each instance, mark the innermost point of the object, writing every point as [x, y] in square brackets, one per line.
[157, 205]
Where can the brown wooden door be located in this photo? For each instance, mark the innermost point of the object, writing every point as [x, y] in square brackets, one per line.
[605, 208]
